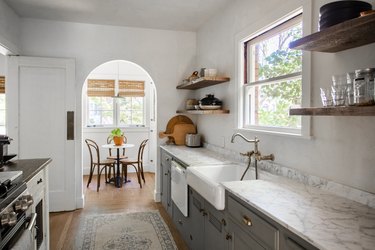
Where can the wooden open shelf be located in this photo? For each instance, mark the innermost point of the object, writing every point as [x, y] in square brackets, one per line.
[202, 82]
[203, 112]
[346, 35]
[335, 111]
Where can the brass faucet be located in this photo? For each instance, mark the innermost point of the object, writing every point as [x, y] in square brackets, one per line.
[257, 155]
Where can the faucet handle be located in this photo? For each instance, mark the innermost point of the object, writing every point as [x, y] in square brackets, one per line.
[270, 157]
[248, 154]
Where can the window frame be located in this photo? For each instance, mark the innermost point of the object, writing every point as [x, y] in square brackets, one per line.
[255, 30]
[116, 108]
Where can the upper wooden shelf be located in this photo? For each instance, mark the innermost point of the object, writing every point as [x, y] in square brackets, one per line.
[335, 111]
[202, 82]
[346, 35]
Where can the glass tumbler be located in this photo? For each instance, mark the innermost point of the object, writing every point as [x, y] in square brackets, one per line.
[325, 94]
[339, 95]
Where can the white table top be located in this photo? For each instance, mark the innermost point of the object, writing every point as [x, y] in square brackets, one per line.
[113, 146]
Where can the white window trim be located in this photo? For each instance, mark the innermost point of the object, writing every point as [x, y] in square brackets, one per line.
[255, 29]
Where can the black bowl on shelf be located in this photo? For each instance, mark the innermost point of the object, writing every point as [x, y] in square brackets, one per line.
[341, 11]
[210, 100]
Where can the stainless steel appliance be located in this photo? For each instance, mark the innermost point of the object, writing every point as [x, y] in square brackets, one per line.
[4, 157]
[179, 187]
[193, 140]
[17, 222]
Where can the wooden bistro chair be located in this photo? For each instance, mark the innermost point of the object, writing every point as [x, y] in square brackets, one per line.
[136, 163]
[113, 156]
[95, 161]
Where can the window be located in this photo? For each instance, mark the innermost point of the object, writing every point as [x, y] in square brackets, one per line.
[2, 105]
[106, 108]
[272, 78]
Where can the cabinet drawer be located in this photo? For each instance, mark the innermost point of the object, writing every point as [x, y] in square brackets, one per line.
[253, 224]
[165, 158]
[36, 184]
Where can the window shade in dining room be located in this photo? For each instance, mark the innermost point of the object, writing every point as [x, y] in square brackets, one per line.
[129, 88]
[100, 87]
[2, 84]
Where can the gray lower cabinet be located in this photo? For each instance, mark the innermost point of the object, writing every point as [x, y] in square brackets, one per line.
[207, 230]
[251, 229]
[166, 199]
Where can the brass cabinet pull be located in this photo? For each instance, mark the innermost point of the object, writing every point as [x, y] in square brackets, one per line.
[223, 222]
[247, 221]
[228, 236]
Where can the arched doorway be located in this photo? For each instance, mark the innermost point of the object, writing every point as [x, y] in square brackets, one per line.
[134, 114]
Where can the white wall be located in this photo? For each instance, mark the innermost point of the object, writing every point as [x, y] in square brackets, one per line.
[9, 28]
[167, 56]
[2, 65]
[342, 148]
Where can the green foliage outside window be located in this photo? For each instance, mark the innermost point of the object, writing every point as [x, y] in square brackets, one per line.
[276, 59]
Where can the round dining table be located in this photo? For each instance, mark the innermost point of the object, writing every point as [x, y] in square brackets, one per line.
[118, 178]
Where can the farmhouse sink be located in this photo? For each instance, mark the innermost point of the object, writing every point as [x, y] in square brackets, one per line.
[206, 180]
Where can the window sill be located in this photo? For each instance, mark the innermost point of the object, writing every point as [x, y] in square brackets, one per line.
[107, 129]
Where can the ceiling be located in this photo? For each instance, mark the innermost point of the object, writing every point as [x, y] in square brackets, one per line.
[184, 15]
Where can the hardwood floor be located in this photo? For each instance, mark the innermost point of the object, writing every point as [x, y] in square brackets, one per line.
[65, 226]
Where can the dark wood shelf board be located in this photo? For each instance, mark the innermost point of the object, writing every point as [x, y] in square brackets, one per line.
[335, 111]
[346, 35]
[203, 112]
[203, 82]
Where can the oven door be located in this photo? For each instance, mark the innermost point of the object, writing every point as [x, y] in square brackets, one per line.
[22, 235]
[179, 187]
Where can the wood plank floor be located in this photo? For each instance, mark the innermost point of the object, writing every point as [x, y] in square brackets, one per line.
[65, 226]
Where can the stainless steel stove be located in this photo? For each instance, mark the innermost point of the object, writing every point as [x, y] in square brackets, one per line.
[15, 215]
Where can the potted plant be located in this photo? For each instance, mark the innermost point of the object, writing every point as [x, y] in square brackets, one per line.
[117, 136]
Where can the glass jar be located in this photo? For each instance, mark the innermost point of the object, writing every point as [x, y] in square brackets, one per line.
[364, 86]
[349, 101]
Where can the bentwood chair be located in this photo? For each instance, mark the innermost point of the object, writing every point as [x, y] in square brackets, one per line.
[136, 163]
[96, 162]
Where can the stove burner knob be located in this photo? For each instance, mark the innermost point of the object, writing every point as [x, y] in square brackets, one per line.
[29, 199]
[5, 219]
[17, 205]
[24, 205]
[12, 219]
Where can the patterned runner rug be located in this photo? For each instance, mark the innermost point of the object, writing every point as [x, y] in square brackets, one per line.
[135, 231]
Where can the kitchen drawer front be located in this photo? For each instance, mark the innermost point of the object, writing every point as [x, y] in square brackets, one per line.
[253, 224]
[165, 158]
[36, 184]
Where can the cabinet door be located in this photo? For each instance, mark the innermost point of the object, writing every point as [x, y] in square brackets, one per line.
[181, 222]
[214, 229]
[196, 208]
[166, 181]
[240, 240]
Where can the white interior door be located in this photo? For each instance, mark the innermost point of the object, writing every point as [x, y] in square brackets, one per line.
[40, 93]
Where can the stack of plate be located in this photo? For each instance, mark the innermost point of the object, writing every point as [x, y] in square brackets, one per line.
[340, 11]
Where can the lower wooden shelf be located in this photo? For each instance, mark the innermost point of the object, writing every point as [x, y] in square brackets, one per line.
[203, 112]
[335, 111]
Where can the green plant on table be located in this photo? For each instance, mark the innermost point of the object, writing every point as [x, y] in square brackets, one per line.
[116, 133]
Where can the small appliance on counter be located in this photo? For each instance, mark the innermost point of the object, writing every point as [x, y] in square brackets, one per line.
[4, 157]
[193, 140]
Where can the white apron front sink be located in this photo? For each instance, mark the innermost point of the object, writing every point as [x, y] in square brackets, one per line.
[206, 180]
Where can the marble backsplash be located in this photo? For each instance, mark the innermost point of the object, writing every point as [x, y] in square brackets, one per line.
[338, 189]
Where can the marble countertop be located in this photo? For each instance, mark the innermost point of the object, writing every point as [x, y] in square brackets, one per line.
[196, 156]
[324, 220]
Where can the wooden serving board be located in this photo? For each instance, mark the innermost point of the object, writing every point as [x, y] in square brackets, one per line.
[178, 119]
[179, 133]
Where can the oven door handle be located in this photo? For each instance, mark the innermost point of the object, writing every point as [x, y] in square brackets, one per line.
[32, 221]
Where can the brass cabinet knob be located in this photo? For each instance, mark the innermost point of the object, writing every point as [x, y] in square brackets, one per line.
[247, 221]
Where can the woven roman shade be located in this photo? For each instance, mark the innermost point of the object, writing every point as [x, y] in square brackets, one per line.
[131, 88]
[100, 87]
[2, 84]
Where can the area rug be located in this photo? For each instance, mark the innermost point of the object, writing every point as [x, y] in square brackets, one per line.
[135, 231]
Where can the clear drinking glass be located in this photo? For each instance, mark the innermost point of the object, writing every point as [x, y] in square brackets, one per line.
[339, 95]
[325, 94]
